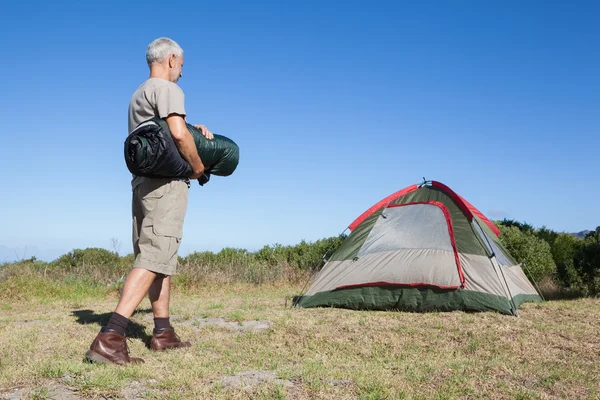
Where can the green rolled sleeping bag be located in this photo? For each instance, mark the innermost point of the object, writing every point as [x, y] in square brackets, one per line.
[151, 151]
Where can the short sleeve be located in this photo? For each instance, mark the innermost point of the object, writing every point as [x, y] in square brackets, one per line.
[169, 100]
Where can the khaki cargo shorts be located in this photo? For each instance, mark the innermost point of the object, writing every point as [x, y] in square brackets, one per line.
[158, 211]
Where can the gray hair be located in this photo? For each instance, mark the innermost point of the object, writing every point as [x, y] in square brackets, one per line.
[160, 49]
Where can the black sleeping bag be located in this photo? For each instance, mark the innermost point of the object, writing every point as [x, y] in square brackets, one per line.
[151, 151]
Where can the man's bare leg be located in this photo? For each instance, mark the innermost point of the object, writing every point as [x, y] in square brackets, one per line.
[136, 286]
[163, 336]
[159, 295]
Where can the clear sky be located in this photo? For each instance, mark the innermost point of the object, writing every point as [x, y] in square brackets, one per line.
[334, 106]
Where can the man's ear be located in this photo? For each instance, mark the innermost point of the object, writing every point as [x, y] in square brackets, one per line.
[172, 58]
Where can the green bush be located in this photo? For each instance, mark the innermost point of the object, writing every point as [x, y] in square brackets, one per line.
[268, 264]
[309, 256]
[90, 256]
[530, 250]
[577, 260]
[587, 261]
[548, 235]
[564, 248]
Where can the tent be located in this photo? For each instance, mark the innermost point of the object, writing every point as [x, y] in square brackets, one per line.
[422, 248]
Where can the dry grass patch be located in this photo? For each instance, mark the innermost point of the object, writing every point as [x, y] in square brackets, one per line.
[551, 351]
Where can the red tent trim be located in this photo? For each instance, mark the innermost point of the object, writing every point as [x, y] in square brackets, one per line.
[416, 284]
[466, 207]
[381, 204]
[462, 203]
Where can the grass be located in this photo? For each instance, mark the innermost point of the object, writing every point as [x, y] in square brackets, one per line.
[552, 350]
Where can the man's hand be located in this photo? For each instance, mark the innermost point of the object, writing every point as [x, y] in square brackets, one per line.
[196, 175]
[207, 134]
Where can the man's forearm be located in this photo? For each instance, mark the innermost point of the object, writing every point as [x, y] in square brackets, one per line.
[187, 148]
[185, 143]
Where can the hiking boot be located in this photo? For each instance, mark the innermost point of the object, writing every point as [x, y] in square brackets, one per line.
[110, 347]
[163, 339]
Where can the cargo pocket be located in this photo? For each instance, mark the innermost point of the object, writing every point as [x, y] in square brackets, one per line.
[167, 229]
[169, 235]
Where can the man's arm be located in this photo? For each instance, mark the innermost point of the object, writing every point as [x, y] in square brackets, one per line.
[185, 143]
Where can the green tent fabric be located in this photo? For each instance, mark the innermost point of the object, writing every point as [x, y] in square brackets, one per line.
[151, 151]
[422, 248]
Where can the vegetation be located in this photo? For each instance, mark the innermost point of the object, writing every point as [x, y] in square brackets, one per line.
[533, 252]
[98, 270]
[569, 263]
[561, 264]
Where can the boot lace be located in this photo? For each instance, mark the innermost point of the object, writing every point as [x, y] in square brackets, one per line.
[124, 346]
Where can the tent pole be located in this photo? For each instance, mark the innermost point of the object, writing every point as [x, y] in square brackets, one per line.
[534, 282]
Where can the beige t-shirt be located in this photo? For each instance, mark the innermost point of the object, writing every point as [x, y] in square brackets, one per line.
[156, 97]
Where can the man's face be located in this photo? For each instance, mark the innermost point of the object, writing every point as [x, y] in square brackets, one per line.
[176, 65]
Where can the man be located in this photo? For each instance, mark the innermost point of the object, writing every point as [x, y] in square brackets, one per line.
[158, 210]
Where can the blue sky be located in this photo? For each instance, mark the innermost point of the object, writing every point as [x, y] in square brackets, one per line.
[333, 106]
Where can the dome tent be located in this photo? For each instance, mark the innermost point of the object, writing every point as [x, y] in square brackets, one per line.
[421, 248]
